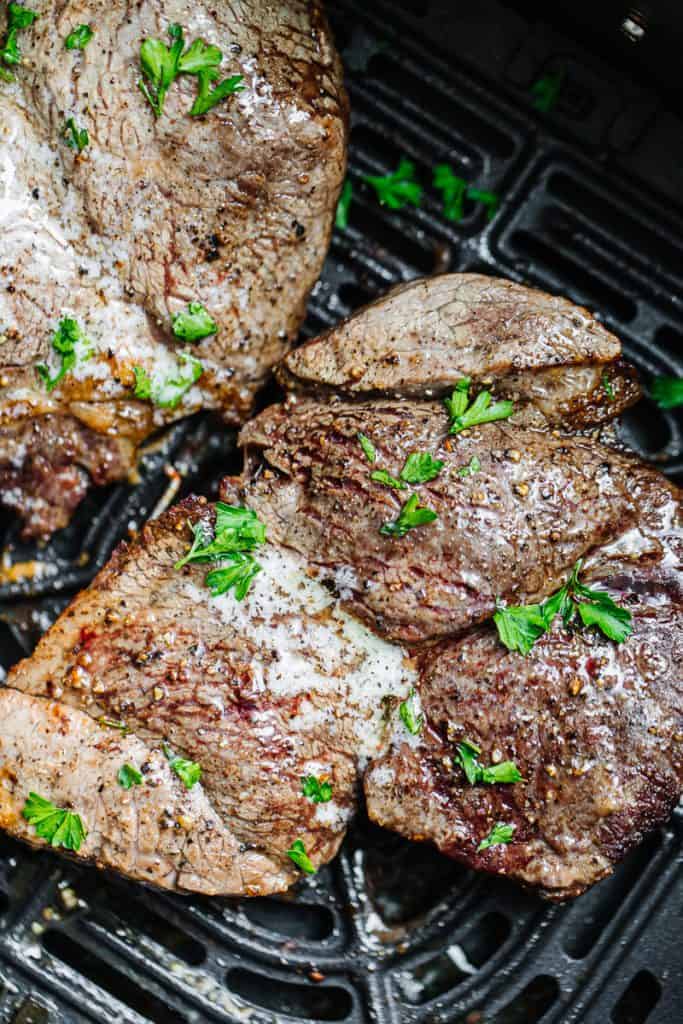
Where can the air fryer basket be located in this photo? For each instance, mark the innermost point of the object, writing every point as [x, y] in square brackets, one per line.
[392, 932]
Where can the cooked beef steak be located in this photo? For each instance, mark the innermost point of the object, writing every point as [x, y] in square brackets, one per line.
[232, 210]
[260, 694]
[553, 358]
[511, 530]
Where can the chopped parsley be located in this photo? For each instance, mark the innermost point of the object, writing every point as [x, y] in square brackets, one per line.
[410, 716]
[455, 190]
[397, 189]
[297, 853]
[499, 835]
[419, 468]
[382, 476]
[607, 387]
[546, 90]
[465, 414]
[129, 776]
[194, 324]
[18, 17]
[71, 346]
[667, 391]
[111, 723]
[189, 772]
[56, 825]
[75, 137]
[237, 532]
[411, 515]
[169, 393]
[319, 791]
[519, 627]
[369, 450]
[162, 64]
[473, 466]
[341, 217]
[79, 38]
[468, 758]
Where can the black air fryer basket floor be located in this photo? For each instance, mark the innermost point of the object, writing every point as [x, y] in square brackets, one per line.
[392, 932]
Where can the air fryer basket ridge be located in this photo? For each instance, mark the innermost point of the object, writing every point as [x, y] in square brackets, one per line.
[391, 931]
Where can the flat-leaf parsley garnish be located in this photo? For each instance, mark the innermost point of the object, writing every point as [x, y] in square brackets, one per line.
[667, 391]
[75, 137]
[189, 772]
[520, 626]
[129, 776]
[410, 715]
[397, 189]
[79, 38]
[18, 17]
[56, 825]
[318, 791]
[194, 323]
[468, 758]
[237, 532]
[72, 346]
[369, 450]
[500, 834]
[168, 393]
[420, 468]
[412, 514]
[455, 190]
[473, 466]
[297, 853]
[465, 414]
[341, 217]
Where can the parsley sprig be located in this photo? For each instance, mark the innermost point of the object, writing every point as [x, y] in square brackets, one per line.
[162, 64]
[238, 531]
[412, 514]
[194, 323]
[397, 189]
[500, 835]
[465, 414]
[18, 17]
[468, 758]
[520, 626]
[72, 346]
[455, 190]
[667, 391]
[75, 137]
[341, 217]
[318, 791]
[297, 853]
[129, 776]
[189, 772]
[56, 825]
[168, 394]
[410, 714]
[79, 38]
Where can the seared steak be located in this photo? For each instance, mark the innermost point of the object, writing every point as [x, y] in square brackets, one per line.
[511, 530]
[232, 210]
[553, 358]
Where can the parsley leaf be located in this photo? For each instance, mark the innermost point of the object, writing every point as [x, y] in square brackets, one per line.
[159, 65]
[237, 532]
[468, 757]
[607, 387]
[520, 626]
[198, 57]
[238, 574]
[56, 825]
[473, 466]
[194, 324]
[297, 853]
[410, 716]
[79, 38]
[75, 137]
[411, 515]
[667, 391]
[129, 776]
[189, 772]
[341, 217]
[397, 189]
[369, 450]
[500, 834]
[420, 467]
[71, 345]
[18, 17]
[546, 90]
[464, 414]
[381, 476]
[455, 190]
[168, 394]
[319, 792]
[208, 98]
[596, 608]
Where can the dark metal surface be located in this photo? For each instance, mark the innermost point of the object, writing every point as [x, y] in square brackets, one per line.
[392, 932]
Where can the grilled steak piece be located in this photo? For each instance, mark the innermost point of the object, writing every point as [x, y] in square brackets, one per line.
[553, 358]
[261, 693]
[595, 729]
[232, 210]
[511, 530]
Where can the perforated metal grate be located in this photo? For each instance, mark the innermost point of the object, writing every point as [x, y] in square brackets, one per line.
[392, 932]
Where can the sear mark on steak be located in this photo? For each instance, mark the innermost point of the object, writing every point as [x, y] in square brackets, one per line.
[512, 530]
[553, 358]
[158, 213]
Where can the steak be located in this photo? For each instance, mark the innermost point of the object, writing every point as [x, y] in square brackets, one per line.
[232, 210]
